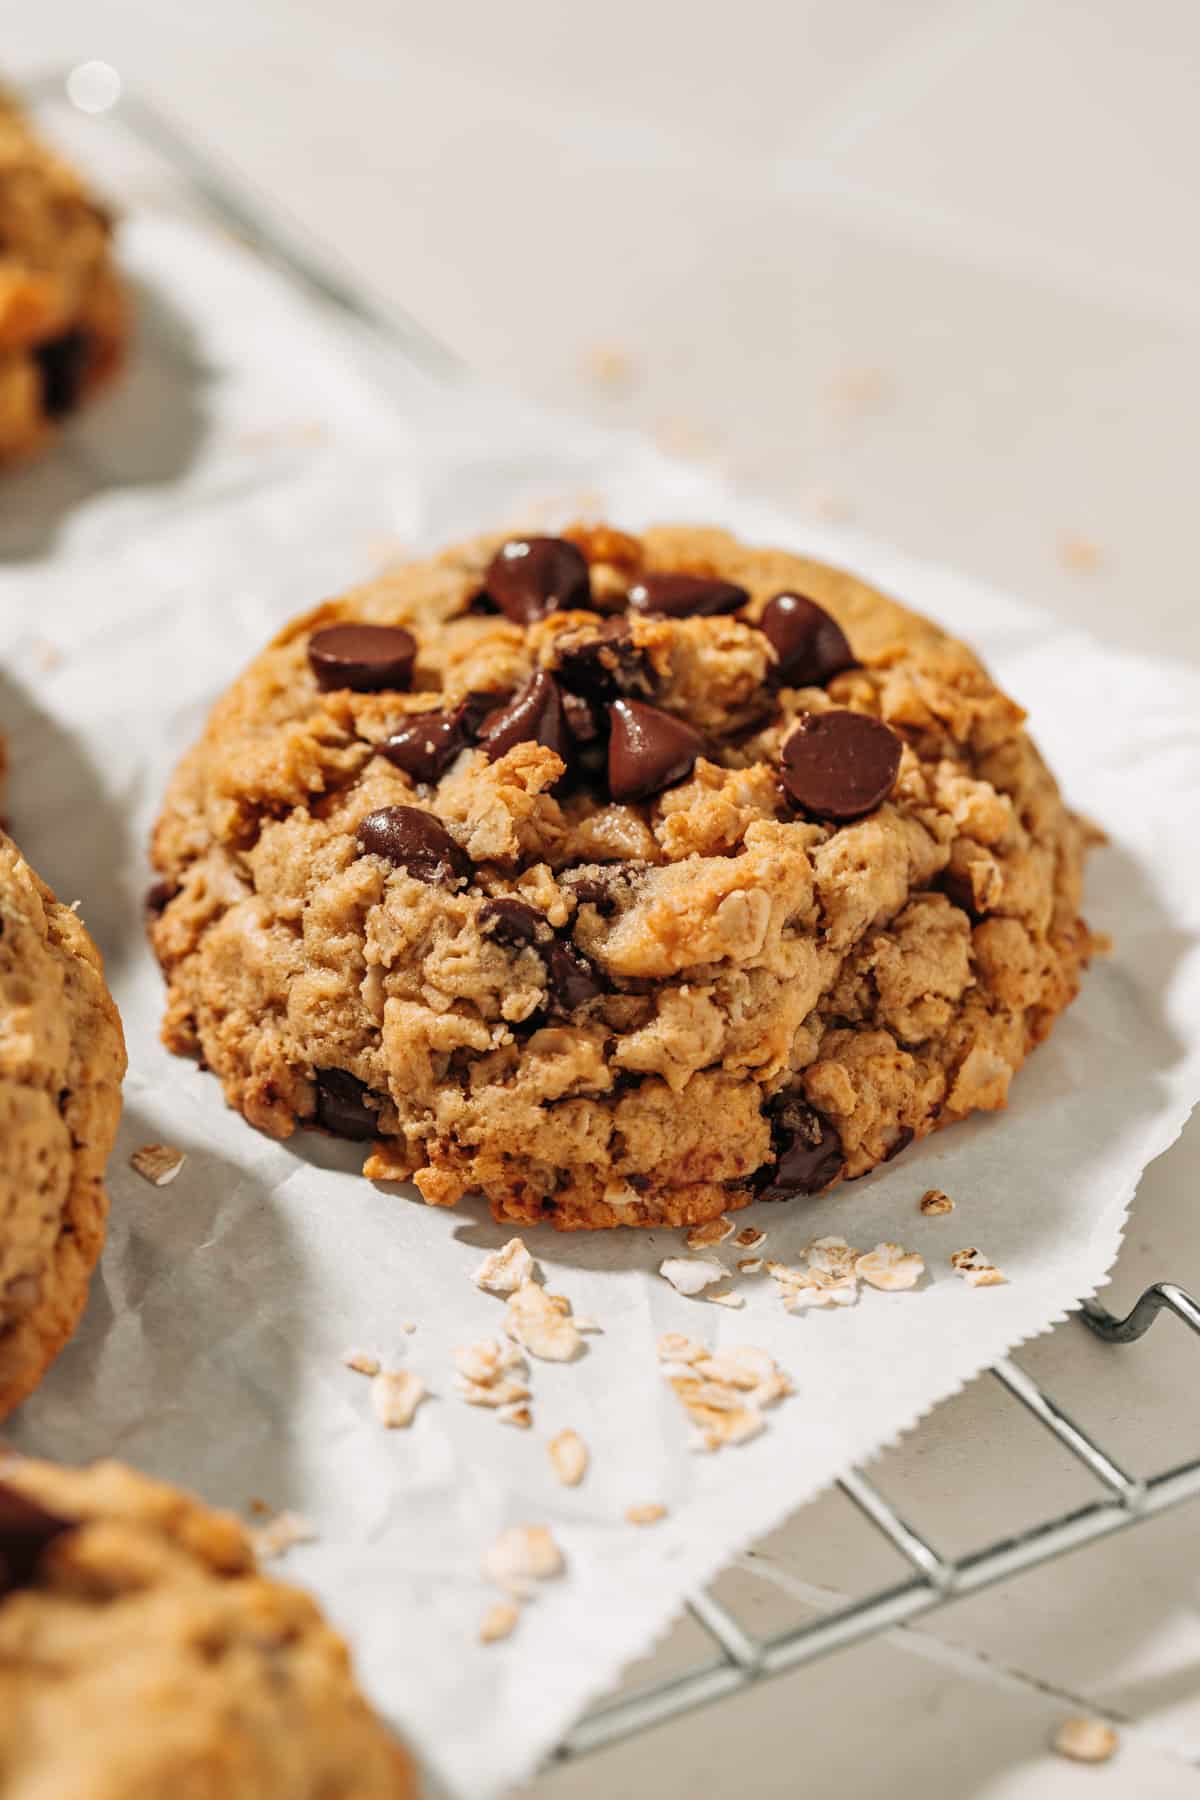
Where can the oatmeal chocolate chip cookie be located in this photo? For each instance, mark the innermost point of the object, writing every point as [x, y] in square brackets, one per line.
[620, 878]
[62, 1058]
[63, 314]
[141, 1654]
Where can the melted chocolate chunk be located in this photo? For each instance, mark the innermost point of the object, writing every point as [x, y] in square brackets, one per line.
[159, 896]
[26, 1531]
[533, 715]
[531, 577]
[840, 765]
[413, 840]
[513, 923]
[811, 646]
[807, 1149]
[604, 664]
[686, 596]
[904, 1138]
[63, 369]
[427, 743]
[573, 980]
[342, 1105]
[648, 749]
[367, 658]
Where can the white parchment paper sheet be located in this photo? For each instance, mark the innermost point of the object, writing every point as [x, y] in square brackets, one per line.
[277, 461]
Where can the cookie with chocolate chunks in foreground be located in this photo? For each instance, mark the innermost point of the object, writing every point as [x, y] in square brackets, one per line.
[142, 1651]
[670, 872]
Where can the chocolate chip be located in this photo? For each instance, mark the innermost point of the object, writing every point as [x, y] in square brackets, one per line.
[413, 840]
[904, 1138]
[605, 663]
[686, 596]
[159, 896]
[840, 765]
[513, 922]
[427, 743]
[811, 646]
[648, 749]
[367, 658]
[573, 980]
[26, 1531]
[807, 1150]
[533, 715]
[531, 577]
[341, 1105]
[63, 367]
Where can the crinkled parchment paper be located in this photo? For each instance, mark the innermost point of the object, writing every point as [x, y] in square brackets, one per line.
[211, 1350]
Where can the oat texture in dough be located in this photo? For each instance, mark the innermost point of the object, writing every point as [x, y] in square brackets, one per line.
[63, 311]
[62, 1059]
[141, 1653]
[623, 879]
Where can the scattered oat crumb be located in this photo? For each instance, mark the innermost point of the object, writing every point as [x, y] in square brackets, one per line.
[515, 1414]
[259, 1509]
[713, 1231]
[750, 1265]
[648, 1514]
[890, 1267]
[585, 1322]
[609, 366]
[673, 1347]
[281, 1534]
[748, 1238]
[822, 502]
[1080, 554]
[499, 1621]
[727, 1299]
[723, 1394]
[975, 1269]
[496, 1394]
[541, 1323]
[504, 1271]
[522, 1554]
[685, 438]
[692, 1274]
[395, 1396]
[363, 1362]
[855, 394]
[487, 1360]
[157, 1163]
[934, 1202]
[408, 1327]
[1085, 1740]
[568, 1457]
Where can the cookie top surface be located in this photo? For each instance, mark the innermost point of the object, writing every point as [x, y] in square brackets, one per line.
[62, 309]
[142, 1654]
[614, 876]
[62, 1058]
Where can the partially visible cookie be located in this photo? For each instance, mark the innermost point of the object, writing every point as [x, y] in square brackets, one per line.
[62, 1058]
[143, 1657]
[621, 878]
[63, 310]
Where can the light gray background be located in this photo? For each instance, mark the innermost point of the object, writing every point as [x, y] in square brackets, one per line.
[931, 266]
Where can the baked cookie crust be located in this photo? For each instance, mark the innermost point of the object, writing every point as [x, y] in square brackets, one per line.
[62, 1059]
[597, 876]
[63, 311]
[142, 1654]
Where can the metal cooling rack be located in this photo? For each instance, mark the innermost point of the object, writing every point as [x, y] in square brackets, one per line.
[740, 1660]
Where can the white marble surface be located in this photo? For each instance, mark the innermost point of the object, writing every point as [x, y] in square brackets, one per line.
[930, 264]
